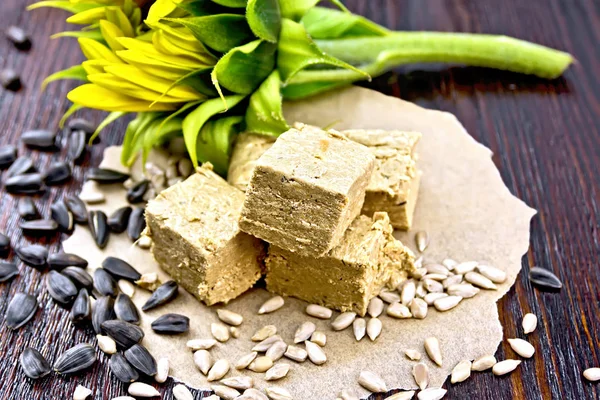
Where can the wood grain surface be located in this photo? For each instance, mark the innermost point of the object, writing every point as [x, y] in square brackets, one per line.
[545, 136]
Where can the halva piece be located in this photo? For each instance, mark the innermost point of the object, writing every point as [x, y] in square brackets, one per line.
[306, 190]
[367, 259]
[196, 239]
[247, 149]
[394, 185]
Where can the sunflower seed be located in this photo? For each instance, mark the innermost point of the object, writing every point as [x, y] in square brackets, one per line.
[315, 353]
[141, 359]
[276, 372]
[434, 277]
[224, 392]
[372, 382]
[437, 269]
[278, 393]
[136, 224]
[418, 308]
[81, 393]
[98, 228]
[422, 240]
[413, 354]
[149, 281]
[479, 280]
[185, 167]
[136, 193]
[27, 209]
[348, 394]
[60, 288]
[144, 242]
[230, 317]
[260, 364]
[91, 194]
[505, 367]
[219, 369]
[592, 374]
[276, 351]
[234, 332]
[200, 344]
[76, 146]
[103, 175]
[20, 310]
[461, 371]
[75, 359]
[126, 287]
[62, 216]
[359, 328]
[430, 298]
[120, 269]
[420, 291]
[33, 255]
[522, 347]
[447, 303]
[106, 344]
[544, 279]
[125, 310]
[57, 173]
[494, 274]
[319, 338]
[77, 208]
[102, 311]
[267, 343]
[273, 304]
[62, 260]
[420, 372]
[244, 361]
[18, 37]
[82, 309]
[181, 392]
[34, 364]
[304, 332]
[464, 290]
[464, 267]
[317, 311]
[124, 333]
[374, 328]
[140, 389]
[419, 273]
[20, 166]
[402, 395]
[529, 323]
[408, 292]
[432, 347]
[40, 139]
[432, 394]
[4, 245]
[397, 310]
[31, 184]
[220, 331]
[452, 280]
[432, 286]
[483, 363]
[104, 283]
[343, 321]
[239, 382]
[375, 307]
[122, 369]
[264, 332]
[296, 353]
[8, 271]
[8, 155]
[171, 324]
[39, 227]
[81, 124]
[389, 297]
[203, 361]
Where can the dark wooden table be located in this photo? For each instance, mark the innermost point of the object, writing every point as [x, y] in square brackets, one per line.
[545, 136]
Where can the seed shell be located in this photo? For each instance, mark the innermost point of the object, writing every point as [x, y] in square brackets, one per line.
[483, 363]
[20, 310]
[273, 304]
[27, 209]
[136, 224]
[20, 166]
[141, 359]
[75, 359]
[106, 344]
[125, 310]
[8, 155]
[62, 260]
[34, 364]
[140, 389]
[82, 309]
[461, 372]
[79, 277]
[522, 347]
[102, 311]
[81, 124]
[97, 223]
[122, 369]
[372, 382]
[123, 333]
[77, 208]
[8, 271]
[60, 288]
[432, 347]
[76, 146]
[544, 279]
[40, 139]
[120, 269]
[118, 220]
[230, 317]
[31, 184]
[529, 323]
[420, 372]
[219, 369]
[181, 392]
[57, 173]
[63, 217]
[33, 255]
[304, 332]
[505, 367]
[359, 328]
[432, 394]
[104, 283]
[592, 374]
[374, 327]
[203, 361]
[162, 370]
[163, 294]
[103, 175]
[136, 193]
[171, 324]
[4, 245]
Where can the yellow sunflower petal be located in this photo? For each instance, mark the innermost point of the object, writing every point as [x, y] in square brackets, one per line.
[153, 66]
[127, 88]
[160, 9]
[88, 17]
[118, 17]
[162, 43]
[94, 50]
[94, 96]
[150, 51]
[111, 32]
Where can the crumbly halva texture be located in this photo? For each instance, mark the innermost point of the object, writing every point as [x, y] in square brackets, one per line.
[306, 190]
[367, 259]
[394, 185]
[196, 239]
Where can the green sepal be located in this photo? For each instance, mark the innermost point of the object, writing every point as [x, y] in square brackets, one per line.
[325, 23]
[264, 19]
[67, 114]
[64, 5]
[110, 118]
[95, 35]
[295, 9]
[201, 8]
[264, 113]
[231, 3]
[157, 133]
[75, 72]
[215, 140]
[134, 135]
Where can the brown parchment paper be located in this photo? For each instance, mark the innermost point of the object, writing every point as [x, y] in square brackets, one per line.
[463, 204]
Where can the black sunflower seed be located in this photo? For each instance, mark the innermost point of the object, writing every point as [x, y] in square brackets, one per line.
[123, 333]
[8, 271]
[27, 209]
[171, 324]
[8, 155]
[61, 288]
[119, 219]
[41, 139]
[79, 276]
[34, 364]
[544, 279]
[104, 283]
[102, 175]
[10, 79]
[21, 166]
[39, 227]
[4, 245]
[104, 310]
[136, 193]
[121, 369]
[82, 308]
[99, 228]
[163, 294]
[82, 124]
[76, 146]
[18, 37]
[77, 208]
[141, 359]
[126, 310]
[120, 269]
[33, 254]
[76, 359]
[137, 224]
[25, 184]
[63, 217]
[62, 260]
[20, 310]
[57, 173]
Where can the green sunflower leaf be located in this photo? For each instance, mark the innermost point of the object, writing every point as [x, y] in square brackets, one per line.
[264, 19]
[264, 114]
[134, 135]
[231, 3]
[215, 140]
[325, 23]
[295, 9]
[201, 8]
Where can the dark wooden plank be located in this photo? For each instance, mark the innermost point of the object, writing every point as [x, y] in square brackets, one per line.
[546, 141]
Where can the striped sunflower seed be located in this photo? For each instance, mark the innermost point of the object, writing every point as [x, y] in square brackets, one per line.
[402, 395]
[171, 324]
[20, 310]
[296, 353]
[412, 354]
[479, 280]
[432, 394]
[203, 361]
[544, 279]
[375, 307]
[505, 367]
[315, 353]
[97, 223]
[118, 220]
[123, 333]
[102, 311]
[446, 303]
[122, 369]
[34, 364]
[268, 342]
[62, 260]
[432, 347]
[359, 328]
[75, 359]
[239, 382]
[40, 139]
[126, 287]
[422, 240]
[219, 369]
[343, 321]
[278, 393]
[39, 227]
[452, 280]
[398, 310]
[277, 372]
[304, 332]
[57, 173]
[126, 310]
[374, 327]
[464, 290]
[79, 277]
[20, 166]
[8, 271]
[389, 297]
[230, 317]
[141, 359]
[418, 308]
[136, 224]
[461, 372]
[8, 155]
[104, 283]
[408, 292]
[276, 351]
[33, 255]
[106, 344]
[81, 393]
[140, 389]
[244, 361]
[62, 216]
[264, 332]
[181, 392]
[224, 392]
[431, 297]
[120, 269]
[135, 194]
[253, 394]
[464, 267]
[483, 363]
[522, 347]
[494, 274]
[200, 344]
[162, 295]
[61, 288]
[78, 208]
[273, 304]
[592, 374]
[529, 323]
[317, 311]
[260, 364]
[105, 175]
[219, 331]
[372, 382]
[420, 372]
[29, 184]
[319, 338]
